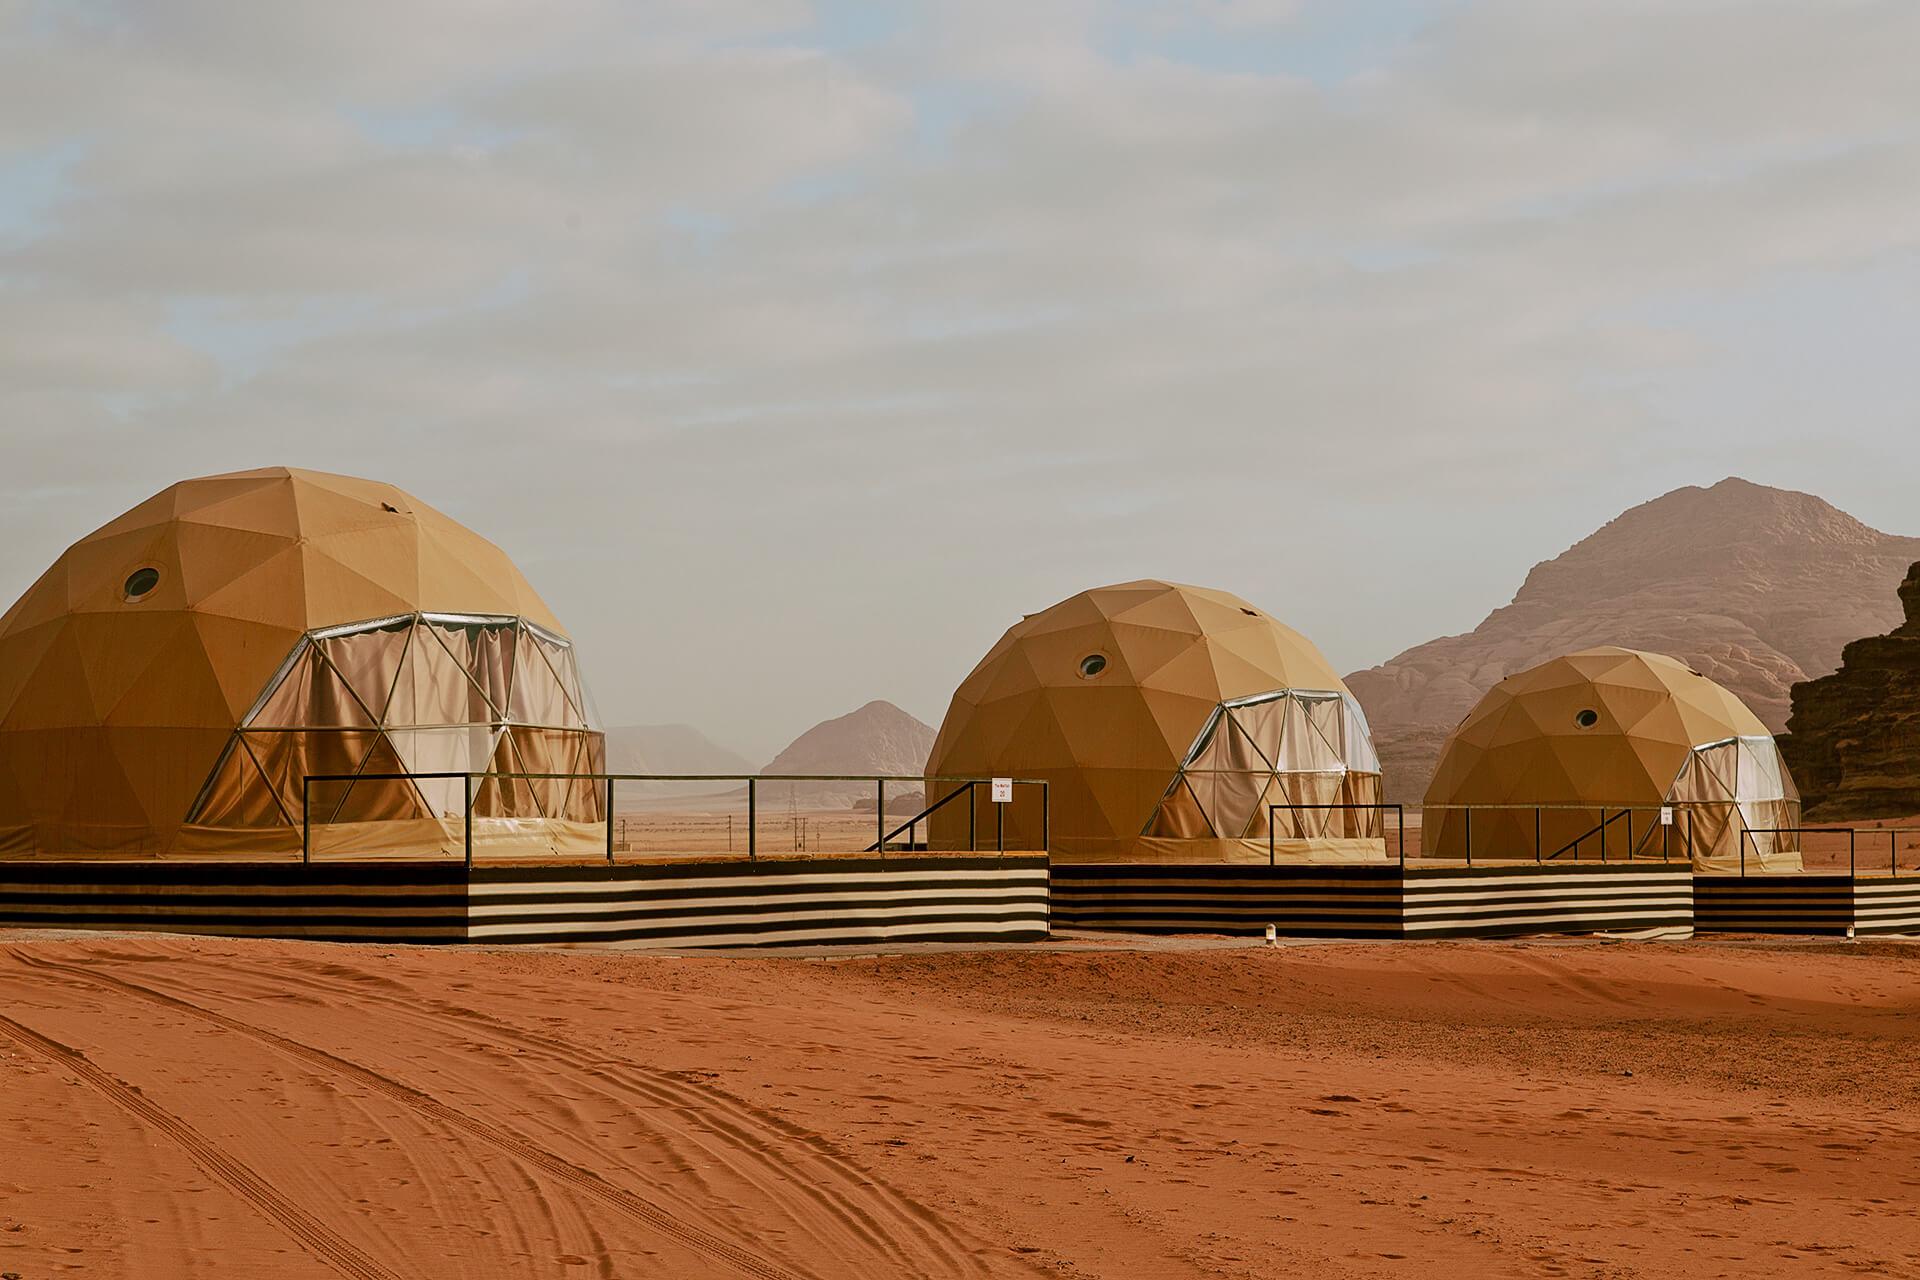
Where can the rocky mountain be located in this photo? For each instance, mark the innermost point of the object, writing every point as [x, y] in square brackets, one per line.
[879, 738]
[1759, 588]
[1855, 741]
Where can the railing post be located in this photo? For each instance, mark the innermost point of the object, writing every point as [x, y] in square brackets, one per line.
[1046, 818]
[1629, 835]
[1893, 853]
[1851, 845]
[1270, 835]
[1469, 835]
[1400, 816]
[752, 814]
[466, 824]
[1603, 835]
[880, 817]
[1743, 853]
[973, 840]
[1690, 846]
[609, 819]
[1000, 829]
[306, 823]
[1536, 835]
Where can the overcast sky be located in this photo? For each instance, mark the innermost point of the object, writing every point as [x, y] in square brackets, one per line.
[795, 350]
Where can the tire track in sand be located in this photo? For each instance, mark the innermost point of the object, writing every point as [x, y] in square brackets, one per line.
[313, 1235]
[881, 1216]
[583, 1180]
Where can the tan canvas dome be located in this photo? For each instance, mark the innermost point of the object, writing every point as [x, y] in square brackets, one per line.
[1164, 718]
[174, 673]
[1603, 731]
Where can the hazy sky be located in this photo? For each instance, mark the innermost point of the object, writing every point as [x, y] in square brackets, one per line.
[796, 350]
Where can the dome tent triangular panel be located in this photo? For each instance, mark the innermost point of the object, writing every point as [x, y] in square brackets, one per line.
[1128, 677]
[148, 643]
[1601, 741]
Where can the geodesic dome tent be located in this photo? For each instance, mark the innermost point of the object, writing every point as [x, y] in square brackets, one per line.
[1165, 719]
[166, 686]
[1612, 735]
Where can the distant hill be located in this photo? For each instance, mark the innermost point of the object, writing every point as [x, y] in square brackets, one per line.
[1757, 587]
[669, 748]
[879, 738]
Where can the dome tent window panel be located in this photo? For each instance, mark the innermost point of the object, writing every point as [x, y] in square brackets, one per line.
[540, 693]
[465, 642]
[1287, 747]
[369, 661]
[409, 694]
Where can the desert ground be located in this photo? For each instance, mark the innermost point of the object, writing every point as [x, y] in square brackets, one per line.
[193, 1107]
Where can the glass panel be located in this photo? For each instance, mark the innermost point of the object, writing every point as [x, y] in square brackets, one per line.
[593, 759]
[546, 751]
[433, 687]
[463, 749]
[380, 799]
[310, 694]
[1359, 753]
[1235, 797]
[464, 644]
[1264, 724]
[286, 757]
[561, 662]
[1240, 748]
[538, 698]
[1305, 746]
[368, 661]
[501, 794]
[1365, 821]
[492, 663]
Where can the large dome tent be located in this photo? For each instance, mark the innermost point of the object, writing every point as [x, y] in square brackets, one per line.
[1165, 719]
[168, 682]
[1612, 736]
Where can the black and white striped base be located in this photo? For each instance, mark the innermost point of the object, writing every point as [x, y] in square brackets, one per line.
[845, 901]
[1814, 903]
[1300, 901]
[1505, 902]
[1375, 900]
[737, 904]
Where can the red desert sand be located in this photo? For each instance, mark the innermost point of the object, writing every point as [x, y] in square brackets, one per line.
[182, 1107]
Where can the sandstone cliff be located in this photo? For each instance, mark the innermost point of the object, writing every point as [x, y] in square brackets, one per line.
[1758, 588]
[1854, 745]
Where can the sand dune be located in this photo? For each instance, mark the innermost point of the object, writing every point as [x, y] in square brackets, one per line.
[185, 1107]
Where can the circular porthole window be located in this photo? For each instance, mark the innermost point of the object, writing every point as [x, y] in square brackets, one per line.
[1587, 719]
[1092, 665]
[140, 583]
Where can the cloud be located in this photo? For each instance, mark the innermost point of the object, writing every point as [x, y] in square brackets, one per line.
[776, 345]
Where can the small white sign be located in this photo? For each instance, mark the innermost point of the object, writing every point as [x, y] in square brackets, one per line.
[1003, 790]
[1666, 815]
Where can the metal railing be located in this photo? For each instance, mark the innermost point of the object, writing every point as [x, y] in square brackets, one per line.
[752, 781]
[1754, 834]
[1668, 817]
[1893, 835]
[911, 825]
[1400, 825]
